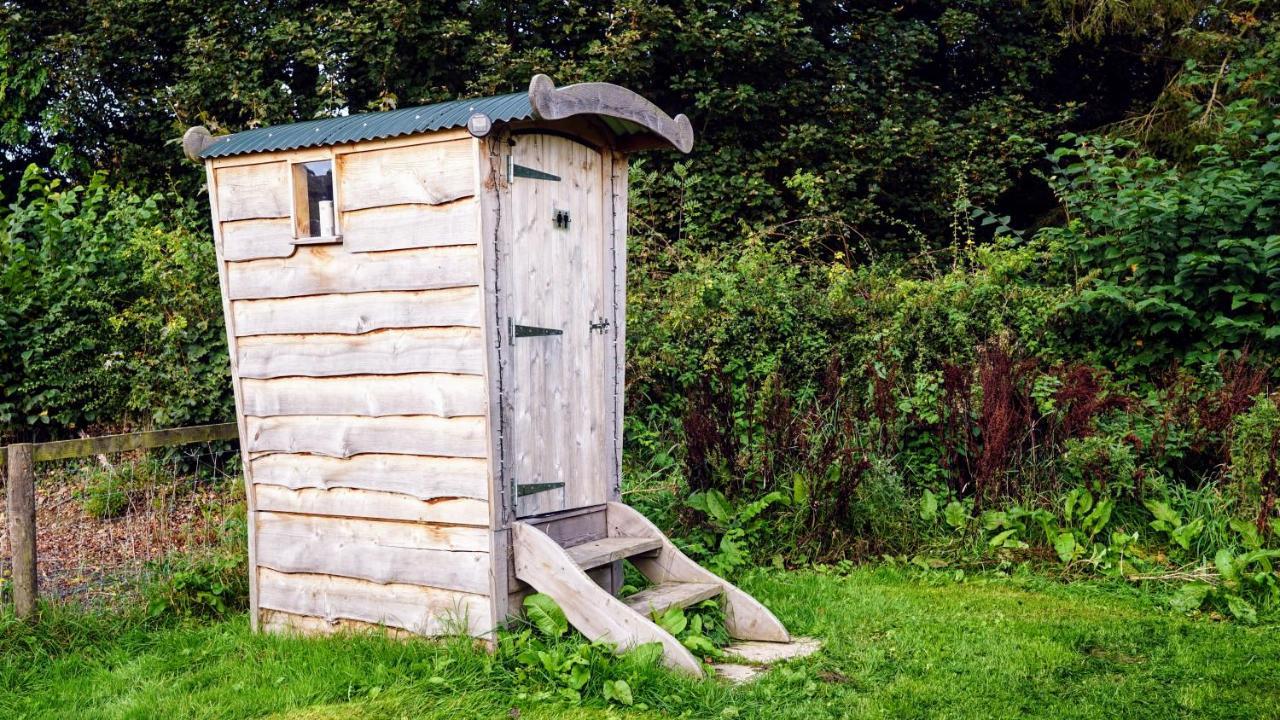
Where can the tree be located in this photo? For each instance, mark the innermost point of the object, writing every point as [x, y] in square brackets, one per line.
[861, 127]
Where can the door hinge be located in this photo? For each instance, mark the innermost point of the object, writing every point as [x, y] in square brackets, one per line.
[518, 331]
[535, 488]
[601, 326]
[523, 171]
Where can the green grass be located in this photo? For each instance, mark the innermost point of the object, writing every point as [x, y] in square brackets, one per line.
[897, 645]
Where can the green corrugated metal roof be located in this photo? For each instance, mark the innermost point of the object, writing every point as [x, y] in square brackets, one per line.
[370, 126]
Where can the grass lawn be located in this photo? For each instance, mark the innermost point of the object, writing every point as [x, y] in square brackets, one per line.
[897, 645]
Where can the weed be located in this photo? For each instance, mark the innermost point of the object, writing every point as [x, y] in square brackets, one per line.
[1006, 413]
[1254, 446]
[549, 660]
[109, 492]
[214, 584]
[733, 531]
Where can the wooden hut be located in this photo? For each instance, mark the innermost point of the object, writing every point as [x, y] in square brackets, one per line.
[425, 314]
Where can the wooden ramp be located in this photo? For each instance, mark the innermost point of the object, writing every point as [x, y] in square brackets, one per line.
[677, 582]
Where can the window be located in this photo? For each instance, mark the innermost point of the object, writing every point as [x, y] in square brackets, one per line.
[313, 199]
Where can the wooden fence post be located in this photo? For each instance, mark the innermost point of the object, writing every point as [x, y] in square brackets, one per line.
[21, 488]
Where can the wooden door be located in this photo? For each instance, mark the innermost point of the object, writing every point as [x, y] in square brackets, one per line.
[557, 443]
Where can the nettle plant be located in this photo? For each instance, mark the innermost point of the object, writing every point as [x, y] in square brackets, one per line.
[733, 531]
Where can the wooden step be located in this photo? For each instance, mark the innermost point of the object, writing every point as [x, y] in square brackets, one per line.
[660, 598]
[544, 564]
[744, 617]
[604, 551]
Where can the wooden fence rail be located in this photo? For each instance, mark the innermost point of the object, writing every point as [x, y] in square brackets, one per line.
[20, 460]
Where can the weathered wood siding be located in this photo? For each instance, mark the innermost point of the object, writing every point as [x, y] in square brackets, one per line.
[361, 392]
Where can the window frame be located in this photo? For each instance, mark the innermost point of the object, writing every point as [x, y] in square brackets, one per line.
[299, 205]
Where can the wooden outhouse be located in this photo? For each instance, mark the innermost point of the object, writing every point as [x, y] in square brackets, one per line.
[425, 311]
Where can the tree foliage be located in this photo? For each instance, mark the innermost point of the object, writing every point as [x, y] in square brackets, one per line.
[1178, 252]
[109, 311]
[865, 120]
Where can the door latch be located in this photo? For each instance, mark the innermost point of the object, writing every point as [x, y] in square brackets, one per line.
[601, 326]
[561, 219]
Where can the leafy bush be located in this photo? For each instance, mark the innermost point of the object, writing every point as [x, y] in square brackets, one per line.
[1102, 463]
[730, 532]
[213, 585]
[946, 413]
[1248, 580]
[1176, 261]
[109, 311]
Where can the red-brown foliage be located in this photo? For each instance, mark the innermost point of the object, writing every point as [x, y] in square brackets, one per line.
[1084, 398]
[1241, 382]
[1005, 421]
[960, 445]
[884, 406]
[700, 441]
[708, 425]
[782, 436]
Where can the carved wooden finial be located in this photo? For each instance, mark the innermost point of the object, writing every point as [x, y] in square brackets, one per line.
[195, 140]
[551, 103]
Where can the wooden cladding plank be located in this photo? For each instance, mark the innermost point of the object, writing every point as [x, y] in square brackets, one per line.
[253, 191]
[431, 174]
[324, 269]
[438, 394]
[372, 504]
[344, 436]
[406, 140]
[333, 600]
[426, 478]
[284, 623]
[452, 557]
[257, 238]
[395, 227]
[358, 313]
[449, 350]
[383, 533]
